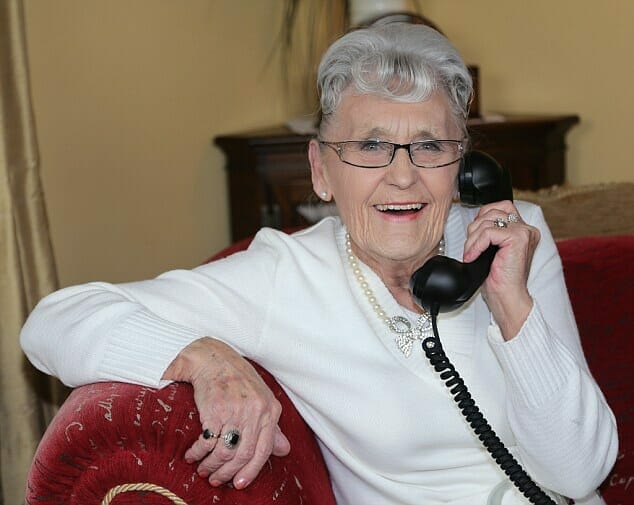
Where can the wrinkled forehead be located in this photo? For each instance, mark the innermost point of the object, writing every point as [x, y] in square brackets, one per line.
[361, 115]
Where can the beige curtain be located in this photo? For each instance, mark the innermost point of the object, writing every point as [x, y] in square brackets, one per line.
[27, 272]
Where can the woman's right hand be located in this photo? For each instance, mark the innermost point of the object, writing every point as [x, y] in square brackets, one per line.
[230, 395]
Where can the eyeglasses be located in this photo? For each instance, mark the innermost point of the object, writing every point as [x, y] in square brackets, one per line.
[378, 154]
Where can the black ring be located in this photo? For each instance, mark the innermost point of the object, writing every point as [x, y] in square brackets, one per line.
[231, 439]
[207, 434]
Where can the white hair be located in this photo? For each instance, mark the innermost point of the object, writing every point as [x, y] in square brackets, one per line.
[401, 61]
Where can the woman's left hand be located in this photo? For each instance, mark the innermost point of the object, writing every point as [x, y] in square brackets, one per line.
[505, 289]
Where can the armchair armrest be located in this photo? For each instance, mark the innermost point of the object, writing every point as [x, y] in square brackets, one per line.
[115, 443]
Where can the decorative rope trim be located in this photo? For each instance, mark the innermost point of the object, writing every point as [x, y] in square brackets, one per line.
[141, 486]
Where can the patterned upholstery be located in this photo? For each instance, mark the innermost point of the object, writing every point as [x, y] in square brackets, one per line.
[111, 434]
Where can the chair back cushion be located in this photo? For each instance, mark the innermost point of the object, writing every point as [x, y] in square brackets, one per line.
[600, 280]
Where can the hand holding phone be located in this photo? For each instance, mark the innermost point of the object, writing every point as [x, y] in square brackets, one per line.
[443, 284]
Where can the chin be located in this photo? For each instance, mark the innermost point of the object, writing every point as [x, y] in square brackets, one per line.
[403, 252]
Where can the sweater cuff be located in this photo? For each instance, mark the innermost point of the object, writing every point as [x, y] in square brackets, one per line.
[127, 357]
[536, 365]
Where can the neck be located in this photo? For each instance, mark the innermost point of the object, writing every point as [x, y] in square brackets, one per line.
[405, 334]
[403, 297]
[396, 274]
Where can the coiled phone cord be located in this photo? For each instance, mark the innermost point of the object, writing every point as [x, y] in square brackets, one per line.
[436, 355]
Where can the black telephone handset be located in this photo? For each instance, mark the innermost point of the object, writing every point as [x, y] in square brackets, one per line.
[443, 284]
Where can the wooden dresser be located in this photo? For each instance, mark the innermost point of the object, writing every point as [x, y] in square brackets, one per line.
[269, 176]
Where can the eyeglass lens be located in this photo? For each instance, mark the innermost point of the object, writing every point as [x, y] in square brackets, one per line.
[376, 154]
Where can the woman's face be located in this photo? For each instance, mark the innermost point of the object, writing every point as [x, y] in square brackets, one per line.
[383, 237]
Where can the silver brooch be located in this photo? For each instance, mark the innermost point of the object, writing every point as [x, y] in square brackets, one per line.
[406, 335]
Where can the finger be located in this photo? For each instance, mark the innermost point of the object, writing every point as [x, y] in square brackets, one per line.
[257, 443]
[260, 456]
[481, 223]
[499, 210]
[505, 206]
[483, 234]
[202, 447]
[514, 218]
[253, 449]
[281, 445]
[496, 215]
[217, 458]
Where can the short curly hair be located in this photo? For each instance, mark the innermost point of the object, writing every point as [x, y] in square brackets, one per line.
[401, 61]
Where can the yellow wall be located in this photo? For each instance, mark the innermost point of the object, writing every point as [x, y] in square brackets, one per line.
[555, 56]
[127, 97]
[129, 94]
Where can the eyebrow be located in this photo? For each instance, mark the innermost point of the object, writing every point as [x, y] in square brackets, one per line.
[381, 133]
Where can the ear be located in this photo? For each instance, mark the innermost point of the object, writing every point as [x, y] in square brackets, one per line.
[318, 171]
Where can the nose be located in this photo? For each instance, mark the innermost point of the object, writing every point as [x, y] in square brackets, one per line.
[402, 172]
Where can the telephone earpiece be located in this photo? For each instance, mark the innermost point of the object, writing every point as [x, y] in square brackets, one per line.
[443, 284]
[482, 179]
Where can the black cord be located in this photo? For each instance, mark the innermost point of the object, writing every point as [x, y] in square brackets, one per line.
[480, 426]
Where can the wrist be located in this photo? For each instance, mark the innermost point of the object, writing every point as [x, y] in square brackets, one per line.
[184, 365]
[511, 314]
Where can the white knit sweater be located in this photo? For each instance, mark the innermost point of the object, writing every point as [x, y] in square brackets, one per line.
[389, 430]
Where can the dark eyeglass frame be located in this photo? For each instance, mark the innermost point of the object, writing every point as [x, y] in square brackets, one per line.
[337, 147]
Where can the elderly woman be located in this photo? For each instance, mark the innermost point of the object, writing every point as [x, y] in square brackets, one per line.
[329, 312]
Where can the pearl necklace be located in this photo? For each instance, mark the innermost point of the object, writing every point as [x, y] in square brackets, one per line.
[406, 333]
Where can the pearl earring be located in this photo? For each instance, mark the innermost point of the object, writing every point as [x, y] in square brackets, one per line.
[323, 195]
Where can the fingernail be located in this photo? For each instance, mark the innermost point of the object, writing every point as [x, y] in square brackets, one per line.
[216, 483]
[241, 483]
[189, 461]
[203, 474]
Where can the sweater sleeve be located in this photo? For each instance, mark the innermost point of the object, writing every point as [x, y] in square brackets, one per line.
[132, 332]
[565, 431]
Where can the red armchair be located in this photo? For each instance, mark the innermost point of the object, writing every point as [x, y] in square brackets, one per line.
[119, 444]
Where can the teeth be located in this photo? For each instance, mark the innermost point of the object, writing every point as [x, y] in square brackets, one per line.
[409, 206]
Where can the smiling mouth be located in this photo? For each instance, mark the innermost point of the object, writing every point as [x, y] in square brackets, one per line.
[408, 208]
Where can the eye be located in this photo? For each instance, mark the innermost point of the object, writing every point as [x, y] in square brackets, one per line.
[370, 146]
[429, 146]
